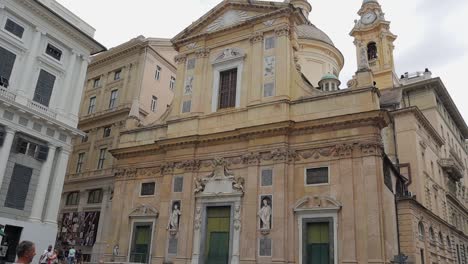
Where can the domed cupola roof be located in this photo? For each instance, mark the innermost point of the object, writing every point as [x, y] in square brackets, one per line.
[310, 31]
[329, 76]
[368, 1]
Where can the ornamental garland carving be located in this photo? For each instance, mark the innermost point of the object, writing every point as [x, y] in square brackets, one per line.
[256, 37]
[181, 58]
[167, 168]
[202, 53]
[125, 173]
[189, 165]
[282, 31]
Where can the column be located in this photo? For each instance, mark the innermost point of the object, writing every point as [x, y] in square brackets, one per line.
[56, 187]
[65, 95]
[5, 152]
[78, 88]
[41, 190]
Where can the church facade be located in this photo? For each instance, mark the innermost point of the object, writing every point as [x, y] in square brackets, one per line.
[263, 158]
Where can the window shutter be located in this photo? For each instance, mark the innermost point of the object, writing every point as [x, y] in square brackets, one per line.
[227, 88]
[44, 87]
[14, 28]
[43, 153]
[7, 60]
[19, 186]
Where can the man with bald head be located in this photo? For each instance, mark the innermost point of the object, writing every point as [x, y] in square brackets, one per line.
[25, 251]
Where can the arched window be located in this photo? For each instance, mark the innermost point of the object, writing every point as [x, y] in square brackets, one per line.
[431, 234]
[441, 239]
[73, 198]
[372, 51]
[449, 244]
[421, 230]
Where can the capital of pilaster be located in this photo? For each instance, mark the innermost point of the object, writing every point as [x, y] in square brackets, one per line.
[283, 30]
[202, 53]
[179, 59]
[256, 37]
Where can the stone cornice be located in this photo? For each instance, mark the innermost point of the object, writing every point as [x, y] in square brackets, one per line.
[373, 118]
[422, 120]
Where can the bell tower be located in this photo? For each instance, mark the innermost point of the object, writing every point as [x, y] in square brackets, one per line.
[372, 34]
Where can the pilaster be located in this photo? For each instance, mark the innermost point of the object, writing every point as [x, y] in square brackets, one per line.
[283, 53]
[200, 80]
[255, 92]
[5, 152]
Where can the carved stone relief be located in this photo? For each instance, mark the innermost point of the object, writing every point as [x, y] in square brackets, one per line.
[229, 18]
[269, 66]
[188, 85]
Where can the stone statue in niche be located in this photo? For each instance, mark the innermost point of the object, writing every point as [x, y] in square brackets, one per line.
[188, 85]
[269, 66]
[173, 223]
[265, 213]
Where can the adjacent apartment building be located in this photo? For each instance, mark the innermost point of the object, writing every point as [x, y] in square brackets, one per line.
[44, 54]
[126, 87]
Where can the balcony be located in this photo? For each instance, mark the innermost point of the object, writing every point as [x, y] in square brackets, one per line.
[11, 97]
[453, 168]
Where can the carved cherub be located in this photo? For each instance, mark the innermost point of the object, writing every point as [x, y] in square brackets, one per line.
[238, 184]
[199, 186]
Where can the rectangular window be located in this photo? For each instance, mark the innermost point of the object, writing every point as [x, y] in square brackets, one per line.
[95, 196]
[147, 188]
[19, 187]
[187, 106]
[268, 89]
[102, 158]
[14, 28]
[267, 177]
[157, 75]
[79, 163]
[318, 242]
[117, 75]
[227, 88]
[97, 83]
[269, 43]
[107, 132]
[265, 247]
[44, 87]
[172, 83]
[178, 184]
[92, 105]
[421, 252]
[29, 148]
[7, 60]
[317, 176]
[113, 99]
[54, 52]
[73, 198]
[154, 103]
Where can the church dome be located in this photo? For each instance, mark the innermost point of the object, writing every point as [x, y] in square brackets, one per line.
[310, 31]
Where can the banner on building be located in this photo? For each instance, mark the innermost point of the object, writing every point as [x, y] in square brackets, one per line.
[78, 229]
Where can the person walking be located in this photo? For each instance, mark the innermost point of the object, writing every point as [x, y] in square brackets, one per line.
[53, 259]
[71, 255]
[25, 251]
[79, 257]
[46, 255]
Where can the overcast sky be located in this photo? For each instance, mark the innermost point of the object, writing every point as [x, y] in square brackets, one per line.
[431, 33]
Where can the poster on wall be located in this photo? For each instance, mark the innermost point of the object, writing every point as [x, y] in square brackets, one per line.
[78, 229]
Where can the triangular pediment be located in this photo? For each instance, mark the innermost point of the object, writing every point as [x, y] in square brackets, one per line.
[310, 203]
[144, 211]
[229, 13]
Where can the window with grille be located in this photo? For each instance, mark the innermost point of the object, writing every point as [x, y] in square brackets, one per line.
[113, 99]
[102, 158]
[172, 83]
[316, 176]
[227, 89]
[154, 103]
[117, 75]
[54, 52]
[269, 43]
[7, 60]
[14, 28]
[157, 75]
[32, 149]
[267, 177]
[147, 188]
[73, 198]
[95, 196]
[92, 105]
[79, 163]
[107, 132]
[44, 87]
[19, 187]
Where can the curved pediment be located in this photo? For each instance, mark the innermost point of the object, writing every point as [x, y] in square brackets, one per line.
[219, 182]
[228, 55]
[310, 203]
[144, 211]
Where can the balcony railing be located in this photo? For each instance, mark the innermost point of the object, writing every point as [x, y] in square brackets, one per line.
[452, 168]
[9, 96]
[41, 109]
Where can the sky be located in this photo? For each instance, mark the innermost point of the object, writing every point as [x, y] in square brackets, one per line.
[431, 33]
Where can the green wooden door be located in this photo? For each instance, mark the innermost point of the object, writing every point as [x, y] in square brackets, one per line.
[318, 243]
[217, 235]
[141, 243]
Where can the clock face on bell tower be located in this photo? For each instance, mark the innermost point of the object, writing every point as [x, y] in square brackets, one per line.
[372, 34]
